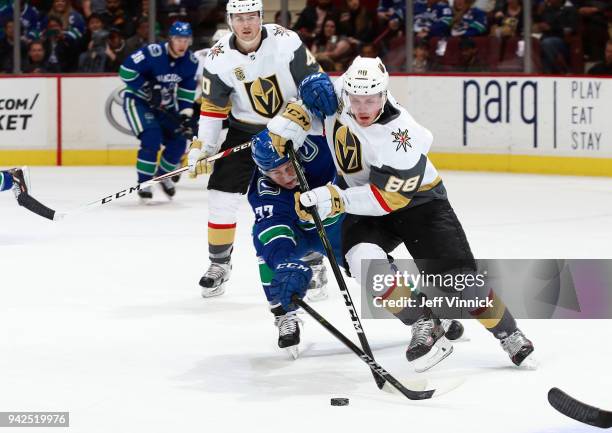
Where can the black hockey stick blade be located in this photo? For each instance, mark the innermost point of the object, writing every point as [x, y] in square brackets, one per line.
[303, 182]
[578, 410]
[374, 366]
[30, 203]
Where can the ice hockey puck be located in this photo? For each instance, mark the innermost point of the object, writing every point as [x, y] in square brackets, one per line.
[339, 401]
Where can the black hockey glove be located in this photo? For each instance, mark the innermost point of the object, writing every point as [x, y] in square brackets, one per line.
[156, 96]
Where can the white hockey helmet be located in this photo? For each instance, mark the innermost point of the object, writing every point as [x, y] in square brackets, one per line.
[366, 76]
[241, 7]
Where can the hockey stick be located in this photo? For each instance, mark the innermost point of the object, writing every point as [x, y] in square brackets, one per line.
[127, 191]
[348, 301]
[578, 410]
[377, 369]
[30, 203]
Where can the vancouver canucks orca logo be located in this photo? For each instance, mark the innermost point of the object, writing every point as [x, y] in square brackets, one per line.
[265, 96]
[347, 148]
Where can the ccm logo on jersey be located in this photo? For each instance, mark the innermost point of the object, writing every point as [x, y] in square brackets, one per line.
[395, 184]
[292, 266]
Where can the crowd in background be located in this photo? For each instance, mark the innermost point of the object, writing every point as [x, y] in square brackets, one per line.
[568, 36]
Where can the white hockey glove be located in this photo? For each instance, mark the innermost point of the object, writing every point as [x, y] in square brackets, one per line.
[327, 199]
[292, 125]
[196, 159]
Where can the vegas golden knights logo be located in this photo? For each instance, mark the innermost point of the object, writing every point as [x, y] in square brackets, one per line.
[348, 149]
[265, 96]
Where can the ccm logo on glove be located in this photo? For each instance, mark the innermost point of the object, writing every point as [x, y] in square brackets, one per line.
[290, 265]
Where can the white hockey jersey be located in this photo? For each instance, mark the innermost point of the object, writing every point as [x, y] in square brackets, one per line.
[385, 165]
[252, 88]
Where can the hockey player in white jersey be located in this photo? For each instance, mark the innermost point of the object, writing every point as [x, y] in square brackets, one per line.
[247, 78]
[393, 195]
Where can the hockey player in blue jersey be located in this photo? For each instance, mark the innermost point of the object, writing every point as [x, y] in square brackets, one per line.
[158, 103]
[15, 179]
[18, 180]
[283, 234]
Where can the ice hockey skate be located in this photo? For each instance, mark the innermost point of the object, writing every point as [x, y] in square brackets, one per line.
[428, 345]
[519, 348]
[214, 280]
[21, 180]
[288, 325]
[145, 194]
[317, 288]
[168, 187]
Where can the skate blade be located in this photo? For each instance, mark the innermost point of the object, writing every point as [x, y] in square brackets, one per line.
[529, 363]
[212, 292]
[442, 386]
[316, 295]
[293, 351]
[442, 349]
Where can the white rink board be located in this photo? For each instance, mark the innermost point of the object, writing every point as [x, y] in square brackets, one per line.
[28, 113]
[489, 116]
[512, 115]
[87, 104]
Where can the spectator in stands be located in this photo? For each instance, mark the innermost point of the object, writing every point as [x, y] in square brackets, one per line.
[508, 19]
[468, 56]
[355, 23]
[94, 24]
[71, 21]
[115, 16]
[61, 47]
[95, 58]
[279, 21]
[556, 22]
[369, 50]
[391, 14]
[594, 27]
[433, 18]
[93, 7]
[605, 67]
[310, 22]
[420, 63]
[30, 19]
[468, 20]
[117, 50]
[140, 38]
[7, 44]
[35, 63]
[330, 50]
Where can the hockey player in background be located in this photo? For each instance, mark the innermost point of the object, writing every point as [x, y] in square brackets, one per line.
[394, 196]
[160, 80]
[285, 240]
[248, 77]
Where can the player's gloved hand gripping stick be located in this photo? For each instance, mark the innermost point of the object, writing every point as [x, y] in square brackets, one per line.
[348, 301]
[130, 190]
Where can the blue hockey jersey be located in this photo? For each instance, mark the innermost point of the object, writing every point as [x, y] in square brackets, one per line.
[153, 65]
[473, 23]
[278, 233]
[436, 19]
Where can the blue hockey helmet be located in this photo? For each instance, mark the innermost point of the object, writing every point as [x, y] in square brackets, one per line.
[180, 29]
[264, 154]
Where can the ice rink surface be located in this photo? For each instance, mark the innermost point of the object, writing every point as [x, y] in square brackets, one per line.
[100, 315]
